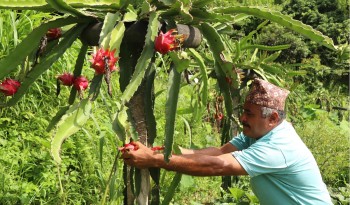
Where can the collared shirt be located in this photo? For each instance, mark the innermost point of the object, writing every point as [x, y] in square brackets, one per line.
[283, 171]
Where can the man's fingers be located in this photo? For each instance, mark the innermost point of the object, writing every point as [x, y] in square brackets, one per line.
[126, 155]
[139, 144]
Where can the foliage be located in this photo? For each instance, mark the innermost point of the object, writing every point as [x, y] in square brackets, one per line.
[340, 195]
[324, 15]
[274, 34]
[319, 111]
[329, 17]
[329, 142]
[90, 171]
[14, 24]
[28, 174]
[323, 86]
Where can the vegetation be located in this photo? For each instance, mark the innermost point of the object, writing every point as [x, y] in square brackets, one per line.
[90, 173]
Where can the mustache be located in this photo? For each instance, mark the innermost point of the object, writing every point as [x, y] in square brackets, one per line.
[245, 124]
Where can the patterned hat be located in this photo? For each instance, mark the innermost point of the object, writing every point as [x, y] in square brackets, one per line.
[266, 94]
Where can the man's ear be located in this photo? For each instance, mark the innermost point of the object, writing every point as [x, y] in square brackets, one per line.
[274, 118]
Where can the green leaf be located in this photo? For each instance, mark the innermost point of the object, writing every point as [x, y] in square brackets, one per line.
[252, 198]
[205, 15]
[178, 9]
[186, 6]
[117, 37]
[188, 128]
[145, 8]
[57, 118]
[168, 2]
[176, 149]
[131, 15]
[248, 38]
[144, 60]
[149, 104]
[214, 40]
[42, 5]
[272, 57]
[155, 192]
[171, 190]
[133, 135]
[180, 64]
[47, 61]
[283, 20]
[344, 127]
[237, 193]
[274, 70]
[119, 123]
[217, 47]
[31, 43]
[101, 144]
[223, 28]
[204, 76]
[95, 86]
[187, 181]
[69, 124]
[108, 25]
[63, 7]
[170, 110]
[266, 48]
[79, 64]
[137, 181]
[296, 72]
[240, 17]
[238, 52]
[195, 109]
[201, 3]
[155, 174]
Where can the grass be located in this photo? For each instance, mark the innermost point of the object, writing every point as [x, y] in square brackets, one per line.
[28, 174]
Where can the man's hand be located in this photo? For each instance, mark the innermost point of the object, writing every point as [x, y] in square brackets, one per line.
[141, 156]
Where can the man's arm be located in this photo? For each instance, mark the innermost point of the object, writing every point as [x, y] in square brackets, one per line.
[191, 164]
[212, 151]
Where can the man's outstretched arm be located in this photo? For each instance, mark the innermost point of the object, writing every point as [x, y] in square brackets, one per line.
[191, 164]
[212, 151]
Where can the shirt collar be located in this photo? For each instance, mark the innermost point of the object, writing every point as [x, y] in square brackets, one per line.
[279, 127]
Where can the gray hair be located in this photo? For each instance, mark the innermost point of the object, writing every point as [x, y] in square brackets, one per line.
[267, 112]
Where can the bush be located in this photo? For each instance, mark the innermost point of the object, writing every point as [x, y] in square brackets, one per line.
[329, 144]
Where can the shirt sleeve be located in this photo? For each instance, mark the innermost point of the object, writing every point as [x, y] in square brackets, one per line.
[261, 158]
[240, 141]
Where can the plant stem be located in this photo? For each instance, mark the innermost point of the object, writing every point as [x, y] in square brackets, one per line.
[61, 186]
[109, 178]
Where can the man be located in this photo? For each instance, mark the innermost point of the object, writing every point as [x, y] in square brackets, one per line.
[282, 169]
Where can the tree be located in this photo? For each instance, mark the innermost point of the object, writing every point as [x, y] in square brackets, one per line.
[329, 17]
[128, 30]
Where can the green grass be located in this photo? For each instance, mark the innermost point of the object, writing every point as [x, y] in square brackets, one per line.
[28, 174]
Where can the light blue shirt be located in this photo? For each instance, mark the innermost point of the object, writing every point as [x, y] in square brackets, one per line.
[283, 170]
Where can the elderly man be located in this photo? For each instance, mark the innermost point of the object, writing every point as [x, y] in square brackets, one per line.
[282, 169]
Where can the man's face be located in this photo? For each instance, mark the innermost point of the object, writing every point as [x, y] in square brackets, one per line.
[254, 125]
